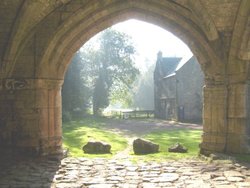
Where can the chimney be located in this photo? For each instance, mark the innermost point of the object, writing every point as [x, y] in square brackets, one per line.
[159, 55]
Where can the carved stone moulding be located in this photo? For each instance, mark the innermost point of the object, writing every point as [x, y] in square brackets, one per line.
[12, 84]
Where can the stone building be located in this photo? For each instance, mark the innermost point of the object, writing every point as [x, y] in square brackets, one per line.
[178, 88]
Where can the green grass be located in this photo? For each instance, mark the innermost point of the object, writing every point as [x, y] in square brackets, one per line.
[188, 138]
[78, 133]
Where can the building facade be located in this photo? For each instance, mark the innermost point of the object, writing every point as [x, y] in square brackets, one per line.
[178, 84]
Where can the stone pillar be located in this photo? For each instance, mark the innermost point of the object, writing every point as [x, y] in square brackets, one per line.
[31, 111]
[238, 127]
[226, 119]
[214, 119]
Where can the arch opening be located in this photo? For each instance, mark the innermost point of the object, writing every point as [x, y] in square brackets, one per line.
[47, 49]
[192, 61]
[80, 33]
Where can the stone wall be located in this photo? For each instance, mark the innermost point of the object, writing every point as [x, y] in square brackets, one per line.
[31, 117]
[226, 116]
[183, 90]
[190, 82]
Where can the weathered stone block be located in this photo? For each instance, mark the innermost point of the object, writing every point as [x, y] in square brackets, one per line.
[177, 148]
[237, 125]
[96, 147]
[212, 141]
[141, 146]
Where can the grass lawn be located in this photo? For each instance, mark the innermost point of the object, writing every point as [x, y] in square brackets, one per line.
[188, 138]
[78, 133]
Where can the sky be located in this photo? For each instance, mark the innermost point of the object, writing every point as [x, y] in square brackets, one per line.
[149, 39]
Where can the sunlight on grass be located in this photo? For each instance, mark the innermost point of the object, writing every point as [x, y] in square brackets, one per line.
[189, 138]
[78, 133]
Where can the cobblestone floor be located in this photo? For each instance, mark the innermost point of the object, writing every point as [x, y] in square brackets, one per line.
[103, 173]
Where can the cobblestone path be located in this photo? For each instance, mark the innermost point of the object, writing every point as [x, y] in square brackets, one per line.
[104, 173]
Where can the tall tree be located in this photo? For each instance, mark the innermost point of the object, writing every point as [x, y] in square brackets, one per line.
[74, 91]
[143, 92]
[101, 92]
[111, 65]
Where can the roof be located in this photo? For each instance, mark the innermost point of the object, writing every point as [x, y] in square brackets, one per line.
[183, 61]
[170, 65]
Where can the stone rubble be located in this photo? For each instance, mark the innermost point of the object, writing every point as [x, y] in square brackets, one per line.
[107, 173]
[142, 146]
[96, 147]
[177, 148]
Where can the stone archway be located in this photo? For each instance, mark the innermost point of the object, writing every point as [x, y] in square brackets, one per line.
[35, 62]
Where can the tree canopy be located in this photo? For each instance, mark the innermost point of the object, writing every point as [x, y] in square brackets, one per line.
[105, 71]
[114, 68]
[75, 93]
[143, 92]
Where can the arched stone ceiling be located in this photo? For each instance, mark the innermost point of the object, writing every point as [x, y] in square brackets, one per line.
[242, 32]
[22, 16]
[83, 25]
[207, 22]
[239, 54]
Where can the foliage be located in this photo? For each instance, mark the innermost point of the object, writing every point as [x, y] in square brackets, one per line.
[143, 91]
[77, 133]
[101, 93]
[120, 94]
[66, 116]
[101, 71]
[110, 68]
[74, 92]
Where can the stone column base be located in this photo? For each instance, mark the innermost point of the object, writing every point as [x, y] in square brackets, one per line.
[32, 122]
[226, 119]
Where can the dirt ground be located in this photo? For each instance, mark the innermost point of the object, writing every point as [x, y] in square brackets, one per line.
[138, 127]
[134, 128]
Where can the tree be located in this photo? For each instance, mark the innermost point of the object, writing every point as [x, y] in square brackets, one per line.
[108, 67]
[143, 93]
[121, 95]
[74, 92]
[101, 93]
